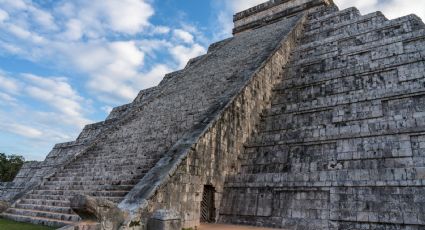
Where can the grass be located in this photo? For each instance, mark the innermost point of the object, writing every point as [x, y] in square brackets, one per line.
[12, 225]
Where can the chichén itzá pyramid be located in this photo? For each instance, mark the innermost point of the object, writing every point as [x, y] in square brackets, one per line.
[309, 117]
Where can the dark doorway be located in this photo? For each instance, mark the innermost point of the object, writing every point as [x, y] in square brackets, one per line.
[207, 205]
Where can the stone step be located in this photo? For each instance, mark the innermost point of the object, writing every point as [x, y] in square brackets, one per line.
[36, 220]
[86, 186]
[44, 214]
[347, 26]
[379, 49]
[46, 197]
[117, 193]
[333, 133]
[407, 23]
[99, 172]
[359, 177]
[372, 67]
[112, 179]
[59, 209]
[363, 93]
[358, 36]
[111, 164]
[115, 160]
[57, 203]
[349, 46]
[120, 157]
[112, 167]
[97, 184]
[280, 106]
[276, 119]
[312, 160]
[65, 197]
[333, 85]
[332, 18]
[322, 12]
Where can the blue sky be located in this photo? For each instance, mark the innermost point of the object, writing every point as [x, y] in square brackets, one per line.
[67, 63]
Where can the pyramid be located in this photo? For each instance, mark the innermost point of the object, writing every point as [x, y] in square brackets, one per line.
[309, 117]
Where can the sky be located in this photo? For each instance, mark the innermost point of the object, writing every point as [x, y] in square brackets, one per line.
[67, 63]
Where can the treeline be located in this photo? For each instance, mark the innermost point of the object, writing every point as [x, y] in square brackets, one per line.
[10, 166]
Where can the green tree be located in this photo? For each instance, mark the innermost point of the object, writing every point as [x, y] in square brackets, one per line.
[10, 166]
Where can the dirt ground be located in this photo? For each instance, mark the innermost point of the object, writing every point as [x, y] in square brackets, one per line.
[230, 227]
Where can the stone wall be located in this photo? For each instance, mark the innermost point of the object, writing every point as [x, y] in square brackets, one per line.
[340, 147]
[212, 149]
[270, 11]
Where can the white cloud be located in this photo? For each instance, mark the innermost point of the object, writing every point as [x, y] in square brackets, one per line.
[182, 35]
[47, 110]
[11, 48]
[225, 11]
[128, 16]
[22, 130]
[240, 5]
[161, 30]
[9, 85]
[99, 16]
[107, 109]
[112, 66]
[150, 46]
[98, 39]
[7, 99]
[59, 95]
[154, 76]
[19, 32]
[399, 8]
[24, 34]
[361, 4]
[26, 9]
[15, 4]
[3, 15]
[43, 18]
[182, 54]
[391, 8]
[74, 30]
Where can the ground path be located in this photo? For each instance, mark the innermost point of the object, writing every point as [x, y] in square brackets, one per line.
[230, 227]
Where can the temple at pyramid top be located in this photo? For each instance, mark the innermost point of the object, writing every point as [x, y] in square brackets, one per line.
[272, 11]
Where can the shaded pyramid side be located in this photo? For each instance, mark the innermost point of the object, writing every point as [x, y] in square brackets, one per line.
[342, 146]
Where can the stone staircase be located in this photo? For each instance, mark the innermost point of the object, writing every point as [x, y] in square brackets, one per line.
[100, 175]
[118, 153]
[342, 145]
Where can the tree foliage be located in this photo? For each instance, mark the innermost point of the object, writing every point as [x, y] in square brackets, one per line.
[10, 166]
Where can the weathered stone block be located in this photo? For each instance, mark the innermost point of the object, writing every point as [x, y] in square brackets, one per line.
[165, 220]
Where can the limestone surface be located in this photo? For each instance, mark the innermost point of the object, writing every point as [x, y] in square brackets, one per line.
[342, 145]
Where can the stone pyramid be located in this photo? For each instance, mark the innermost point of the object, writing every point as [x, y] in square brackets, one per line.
[309, 117]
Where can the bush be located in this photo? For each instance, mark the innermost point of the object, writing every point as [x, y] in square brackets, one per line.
[10, 166]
